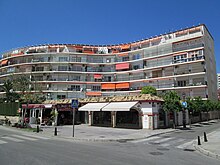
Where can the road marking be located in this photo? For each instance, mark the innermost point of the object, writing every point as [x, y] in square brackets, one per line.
[35, 136]
[26, 138]
[184, 145]
[2, 142]
[162, 140]
[172, 142]
[147, 139]
[12, 139]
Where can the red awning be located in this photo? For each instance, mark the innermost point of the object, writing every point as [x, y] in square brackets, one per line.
[97, 76]
[32, 106]
[122, 66]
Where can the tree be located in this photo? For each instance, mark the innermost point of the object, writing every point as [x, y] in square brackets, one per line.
[7, 87]
[209, 105]
[198, 106]
[172, 104]
[149, 90]
[23, 85]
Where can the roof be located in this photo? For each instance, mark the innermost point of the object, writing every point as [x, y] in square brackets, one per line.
[141, 97]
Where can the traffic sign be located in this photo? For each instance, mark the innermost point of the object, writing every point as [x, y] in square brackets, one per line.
[74, 103]
[184, 104]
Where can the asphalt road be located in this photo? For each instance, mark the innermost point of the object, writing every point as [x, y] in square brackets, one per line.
[19, 148]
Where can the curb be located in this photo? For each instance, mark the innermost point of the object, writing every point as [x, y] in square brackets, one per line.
[121, 140]
[206, 152]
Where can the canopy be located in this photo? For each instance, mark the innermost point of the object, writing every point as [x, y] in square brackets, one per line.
[93, 107]
[119, 106]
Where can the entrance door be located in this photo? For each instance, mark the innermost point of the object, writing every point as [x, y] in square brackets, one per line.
[127, 119]
[102, 118]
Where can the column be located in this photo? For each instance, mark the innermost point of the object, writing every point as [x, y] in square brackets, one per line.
[113, 114]
[90, 117]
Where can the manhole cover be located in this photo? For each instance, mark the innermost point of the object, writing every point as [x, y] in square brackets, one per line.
[82, 132]
[190, 150]
[156, 153]
[163, 149]
[102, 136]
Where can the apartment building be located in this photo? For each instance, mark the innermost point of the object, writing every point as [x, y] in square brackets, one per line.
[182, 60]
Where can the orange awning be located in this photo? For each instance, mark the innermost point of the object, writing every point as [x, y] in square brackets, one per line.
[93, 93]
[125, 46]
[88, 51]
[122, 85]
[123, 54]
[4, 62]
[108, 86]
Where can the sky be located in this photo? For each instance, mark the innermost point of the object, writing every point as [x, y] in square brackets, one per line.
[101, 22]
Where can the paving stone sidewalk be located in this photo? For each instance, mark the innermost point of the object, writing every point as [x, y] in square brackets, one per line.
[212, 147]
[92, 133]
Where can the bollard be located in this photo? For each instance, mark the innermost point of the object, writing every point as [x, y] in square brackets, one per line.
[55, 131]
[199, 143]
[205, 137]
[38, 129]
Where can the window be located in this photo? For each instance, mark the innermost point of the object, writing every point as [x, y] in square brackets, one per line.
[96, 88]
[136, 56]
[125, 58]
[62, 68]
[75, 87]
[136, 67]
[63, 59]
[61, 96]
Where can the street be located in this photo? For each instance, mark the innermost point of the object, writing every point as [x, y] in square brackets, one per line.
[21, 148]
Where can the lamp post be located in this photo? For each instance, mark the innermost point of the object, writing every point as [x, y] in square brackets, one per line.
[184, 104]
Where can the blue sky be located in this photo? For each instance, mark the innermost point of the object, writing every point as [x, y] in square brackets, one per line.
[32, 22]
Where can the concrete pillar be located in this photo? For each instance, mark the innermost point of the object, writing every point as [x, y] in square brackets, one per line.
[90, 117]
[113, 117]
[140, 116]
[150, 121]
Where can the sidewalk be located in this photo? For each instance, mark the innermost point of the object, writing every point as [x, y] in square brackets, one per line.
[92, 133]
[212, 147]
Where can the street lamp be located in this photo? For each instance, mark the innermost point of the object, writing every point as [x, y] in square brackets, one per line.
[184, 104]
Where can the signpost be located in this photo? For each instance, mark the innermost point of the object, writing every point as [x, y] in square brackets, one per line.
[74, 105]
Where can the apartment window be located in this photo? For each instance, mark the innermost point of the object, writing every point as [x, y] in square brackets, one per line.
[76, 59]
[61, 96]
[136, 67]
[96, 88]
[136, 56]
[75, 87]
[62, 68]
[39, 68]
[125, 58]
[63, 59]
[181, 83]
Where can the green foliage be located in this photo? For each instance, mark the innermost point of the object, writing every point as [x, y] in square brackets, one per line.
[149, 90]
[171, 102]
[198, 104]
[53, 114]
[208, 105]
[7, 87]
